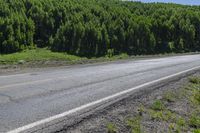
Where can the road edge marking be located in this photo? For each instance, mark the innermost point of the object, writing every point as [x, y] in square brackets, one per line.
[72, 111]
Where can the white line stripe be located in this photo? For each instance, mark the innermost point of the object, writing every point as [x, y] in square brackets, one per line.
[47, 120]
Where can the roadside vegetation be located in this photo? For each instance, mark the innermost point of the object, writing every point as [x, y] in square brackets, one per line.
[35, 55]
[44, 55]
[173, 112]
[97, 28]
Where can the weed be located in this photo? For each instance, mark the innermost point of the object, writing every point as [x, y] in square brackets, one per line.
[194, 121]
[195, 98]
[162, 115]
[141, 110]
[193, 93]
[181, 122]
[168, 115]
[169, 96]
[158, 105]
[194, 80]
[196, 131]
[134, 124]
[111, 128]
[156, 115]
[173, 128]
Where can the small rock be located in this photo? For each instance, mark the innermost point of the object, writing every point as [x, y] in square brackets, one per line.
[159, 97]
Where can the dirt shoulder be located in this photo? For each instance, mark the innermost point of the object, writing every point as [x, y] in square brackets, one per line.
[172, 108]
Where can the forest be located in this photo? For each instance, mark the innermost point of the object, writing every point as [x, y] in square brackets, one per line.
[94, 28]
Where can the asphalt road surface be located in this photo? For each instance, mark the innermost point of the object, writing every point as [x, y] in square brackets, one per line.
[30, 97]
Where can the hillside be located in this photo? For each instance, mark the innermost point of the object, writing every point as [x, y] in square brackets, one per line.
[94, 28]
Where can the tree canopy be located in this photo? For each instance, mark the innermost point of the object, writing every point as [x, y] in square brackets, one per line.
[96, 27]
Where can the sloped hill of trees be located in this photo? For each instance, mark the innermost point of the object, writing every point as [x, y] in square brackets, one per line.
[96, 27]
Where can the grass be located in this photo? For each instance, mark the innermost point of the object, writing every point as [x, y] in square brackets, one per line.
[36, 55]
[162, 115]
[195, 97]
[141, 110]
[194, 89]
[194, 121]
[158, 105]
[169, 96]
[181, 122]
[134, 124]
[42, 54]
[111, 128]
[196, 131]
[194, 80]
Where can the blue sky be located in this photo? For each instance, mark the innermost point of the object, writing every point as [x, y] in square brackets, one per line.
[185, 2]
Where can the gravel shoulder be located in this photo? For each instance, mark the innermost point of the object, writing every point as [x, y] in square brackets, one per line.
[170, 108]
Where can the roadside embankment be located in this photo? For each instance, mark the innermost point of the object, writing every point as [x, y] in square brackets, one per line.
[44, 58]
[173, 108]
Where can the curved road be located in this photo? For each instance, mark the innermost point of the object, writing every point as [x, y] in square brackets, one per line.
[30, 97]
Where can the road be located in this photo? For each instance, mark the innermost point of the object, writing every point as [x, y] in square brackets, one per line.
[30, 97]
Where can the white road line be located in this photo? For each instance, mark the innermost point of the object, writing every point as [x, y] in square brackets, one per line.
[52, 118]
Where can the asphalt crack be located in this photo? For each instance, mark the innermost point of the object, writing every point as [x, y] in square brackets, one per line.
[8, 97]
